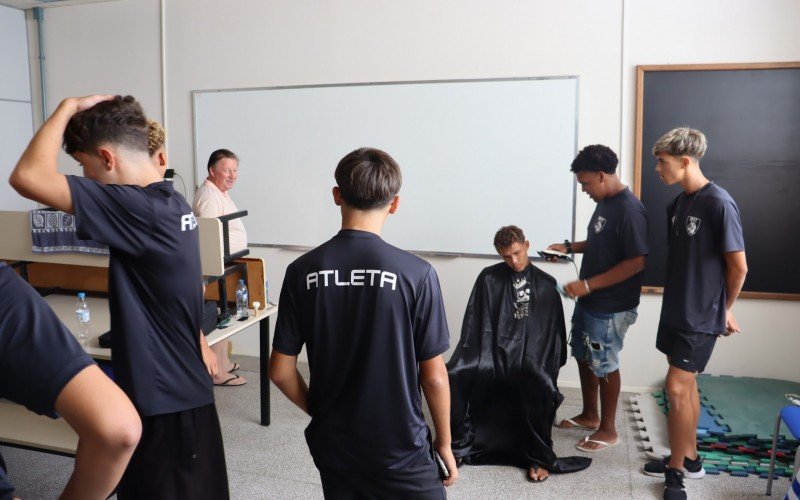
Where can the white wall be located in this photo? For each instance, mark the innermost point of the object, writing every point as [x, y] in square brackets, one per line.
[16, 124]
[714, 31]
[254, 43]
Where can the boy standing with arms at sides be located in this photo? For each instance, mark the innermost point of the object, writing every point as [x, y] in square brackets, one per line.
[706, 268]
[607, 292]
[155, 291]
[372, 319]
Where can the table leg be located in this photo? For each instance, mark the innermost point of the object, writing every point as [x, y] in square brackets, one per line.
[264, 363]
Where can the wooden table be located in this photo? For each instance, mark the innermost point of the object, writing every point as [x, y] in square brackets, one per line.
[22, 428]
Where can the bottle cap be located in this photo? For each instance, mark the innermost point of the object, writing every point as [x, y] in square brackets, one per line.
[241, 282]
[81, 295]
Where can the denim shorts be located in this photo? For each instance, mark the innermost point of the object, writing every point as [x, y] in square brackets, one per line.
[597, 338]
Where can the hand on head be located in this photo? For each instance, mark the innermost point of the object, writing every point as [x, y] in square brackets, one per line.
[84, 103]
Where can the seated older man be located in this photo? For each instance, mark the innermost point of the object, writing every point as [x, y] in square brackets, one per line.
[212, 200]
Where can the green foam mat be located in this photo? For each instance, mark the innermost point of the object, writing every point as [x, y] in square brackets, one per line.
[749, 405]
[745, 406]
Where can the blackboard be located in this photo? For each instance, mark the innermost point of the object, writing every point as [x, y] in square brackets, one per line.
[750, 114]
[475, 154]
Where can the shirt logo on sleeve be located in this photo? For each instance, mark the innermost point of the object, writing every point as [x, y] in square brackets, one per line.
[358, 277]
[692, 225]
[188, 222]
[599, 224]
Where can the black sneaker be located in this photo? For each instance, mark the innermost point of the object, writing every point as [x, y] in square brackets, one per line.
[693, 469]
[673, 485]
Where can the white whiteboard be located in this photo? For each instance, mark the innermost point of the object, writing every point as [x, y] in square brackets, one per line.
[475, 156]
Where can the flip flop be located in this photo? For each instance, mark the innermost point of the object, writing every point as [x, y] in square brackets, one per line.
[604, 445]
[227, 383]
[235, 367]
[574, 425]
[535, 469]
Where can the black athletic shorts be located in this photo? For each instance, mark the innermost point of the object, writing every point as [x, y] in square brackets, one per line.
[6, 488]
[180, 455]
[420, 480]
[689, 351]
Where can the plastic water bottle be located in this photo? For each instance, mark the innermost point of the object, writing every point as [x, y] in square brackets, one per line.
[83, 316]
[242, 300]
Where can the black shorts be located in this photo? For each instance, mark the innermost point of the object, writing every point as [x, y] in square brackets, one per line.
[689, 351]
[420, 480]
[6, 488]
[180, 455]
[38, 355]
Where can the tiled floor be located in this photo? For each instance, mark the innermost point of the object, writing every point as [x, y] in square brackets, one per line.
[273, 462]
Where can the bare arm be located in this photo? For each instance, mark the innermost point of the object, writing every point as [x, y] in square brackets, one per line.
[436, 386]
[209, 358]
[36, 175]
[735, 272]
[283, 373]
[617, 274]
[108, 428]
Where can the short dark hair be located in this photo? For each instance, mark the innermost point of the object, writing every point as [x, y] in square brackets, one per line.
[119, 121]
[595, 158]
[507, 236]
[218, 155]
[368, 178]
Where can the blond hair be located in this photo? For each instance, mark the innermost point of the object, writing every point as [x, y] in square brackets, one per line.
[682, 141]
[156, 135]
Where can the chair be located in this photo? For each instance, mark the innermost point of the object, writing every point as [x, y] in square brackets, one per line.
[230, 265]
[790, 415]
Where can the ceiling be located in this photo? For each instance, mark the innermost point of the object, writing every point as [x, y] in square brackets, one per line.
[29, 4]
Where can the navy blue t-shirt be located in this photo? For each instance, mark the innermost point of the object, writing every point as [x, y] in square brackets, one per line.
[617, 231]
[154, 290]
[701, 227]
[368, 313]
[38, 355]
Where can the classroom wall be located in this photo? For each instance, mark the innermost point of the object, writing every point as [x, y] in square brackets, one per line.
[16, 124]
[211, 45]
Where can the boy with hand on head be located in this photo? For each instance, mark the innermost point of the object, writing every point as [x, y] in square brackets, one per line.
[155, 291]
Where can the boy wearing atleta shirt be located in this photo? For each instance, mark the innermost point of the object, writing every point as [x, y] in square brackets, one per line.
[372, 319]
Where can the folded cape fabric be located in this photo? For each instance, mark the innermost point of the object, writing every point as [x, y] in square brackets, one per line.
[54, 232]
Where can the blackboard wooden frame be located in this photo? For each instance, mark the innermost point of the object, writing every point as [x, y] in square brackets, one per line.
[640, 150]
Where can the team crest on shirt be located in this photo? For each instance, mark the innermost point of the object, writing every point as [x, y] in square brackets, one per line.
[692, 225]
[599, 224]
[522, 299]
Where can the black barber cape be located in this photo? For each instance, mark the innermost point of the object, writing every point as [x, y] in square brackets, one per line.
[503, 372]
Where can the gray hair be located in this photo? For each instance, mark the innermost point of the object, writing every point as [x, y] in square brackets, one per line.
[682, 141]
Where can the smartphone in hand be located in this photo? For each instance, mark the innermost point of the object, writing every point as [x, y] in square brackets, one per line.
[443, 472]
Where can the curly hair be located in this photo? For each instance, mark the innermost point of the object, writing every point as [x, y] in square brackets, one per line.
[507, 236]
[595, 158]
[156, 135]
[119, 121]
[368, 178]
